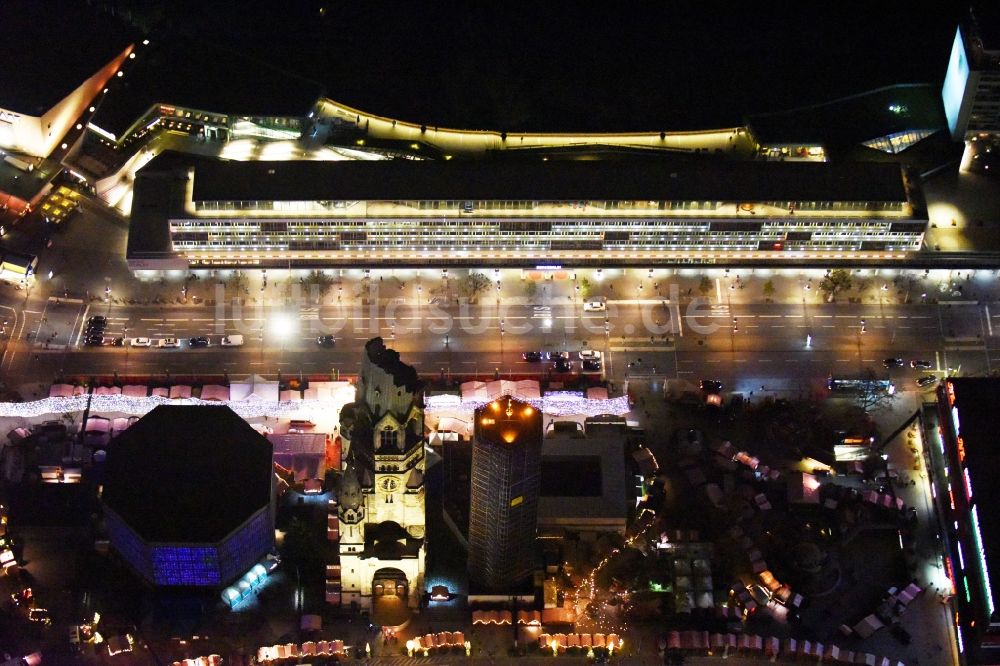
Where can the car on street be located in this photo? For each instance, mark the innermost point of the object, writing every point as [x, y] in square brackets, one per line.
[532, 356]
[98, 319]
[96, 327]
[712, 386]
[926, 381]
[591, 365]
[592, 354]
[562, 365]
[232, 341]
[553, 355]
[200, 341]
[595, 305]
[168, 343]
[893, 363]
[326, 341]
[140, 342]
[921, 365]
[118, 342]
[94, 340]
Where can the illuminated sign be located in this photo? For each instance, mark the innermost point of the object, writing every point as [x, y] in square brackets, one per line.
[955, 83]
[961, 449]
[968, 485]
[987, 588]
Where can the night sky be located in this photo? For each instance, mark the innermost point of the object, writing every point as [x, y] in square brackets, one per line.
[581, 66]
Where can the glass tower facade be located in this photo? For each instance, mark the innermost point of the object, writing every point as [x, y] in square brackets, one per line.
[506, 476]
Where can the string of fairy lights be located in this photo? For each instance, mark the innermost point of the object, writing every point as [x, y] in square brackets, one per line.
[116, 403]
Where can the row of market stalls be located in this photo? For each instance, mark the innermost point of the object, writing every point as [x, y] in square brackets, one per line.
[769, 647]
[449, 415]
[253, 397]
[210, 660]
[251, 388]
[564, 642]
[889, 611]
[532, 618]
[293, 652]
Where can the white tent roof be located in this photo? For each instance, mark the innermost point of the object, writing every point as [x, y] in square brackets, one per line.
[214, 392]
[254, 387]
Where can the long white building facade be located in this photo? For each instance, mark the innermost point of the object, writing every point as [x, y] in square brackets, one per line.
[189, 212]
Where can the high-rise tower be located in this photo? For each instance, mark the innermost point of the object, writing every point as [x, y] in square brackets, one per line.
[506, 471]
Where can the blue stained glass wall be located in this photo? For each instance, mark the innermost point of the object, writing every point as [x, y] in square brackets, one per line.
[185, 565]
[134, 550]
[241, 549]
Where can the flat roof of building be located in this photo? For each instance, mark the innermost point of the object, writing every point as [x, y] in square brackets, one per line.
[855, 119]
[602, 453]
[976, 399]
[508, 422]
[205, 77]
[157, 193]
[556, 180]
[47, 49]
[188, 474]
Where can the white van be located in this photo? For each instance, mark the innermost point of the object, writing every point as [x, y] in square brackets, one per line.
[232, 341]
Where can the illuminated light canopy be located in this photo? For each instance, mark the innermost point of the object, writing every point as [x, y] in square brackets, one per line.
[250, 408]
[559, 403]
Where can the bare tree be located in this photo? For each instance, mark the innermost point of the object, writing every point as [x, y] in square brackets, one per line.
[874, 394]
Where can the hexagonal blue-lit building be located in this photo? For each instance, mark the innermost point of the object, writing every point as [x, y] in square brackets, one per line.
[188, 496]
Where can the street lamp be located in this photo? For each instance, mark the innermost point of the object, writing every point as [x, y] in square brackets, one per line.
[127, 345]
[502, 331]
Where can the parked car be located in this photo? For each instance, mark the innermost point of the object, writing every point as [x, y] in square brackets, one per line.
[562, 365]
[232, 341]
[326, 341]
[927, 380]
[94, 340]
[921, 365]
[893, 363]
[592, 354]
[591, 365]
[200, 341]
[118, 342]
[532, 356]
[98, 319]
[596, 305]
[553, 355]
[168, 343]
[141, 342]
[713, 386]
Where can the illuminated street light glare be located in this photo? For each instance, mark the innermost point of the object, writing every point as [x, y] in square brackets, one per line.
[282, 326]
